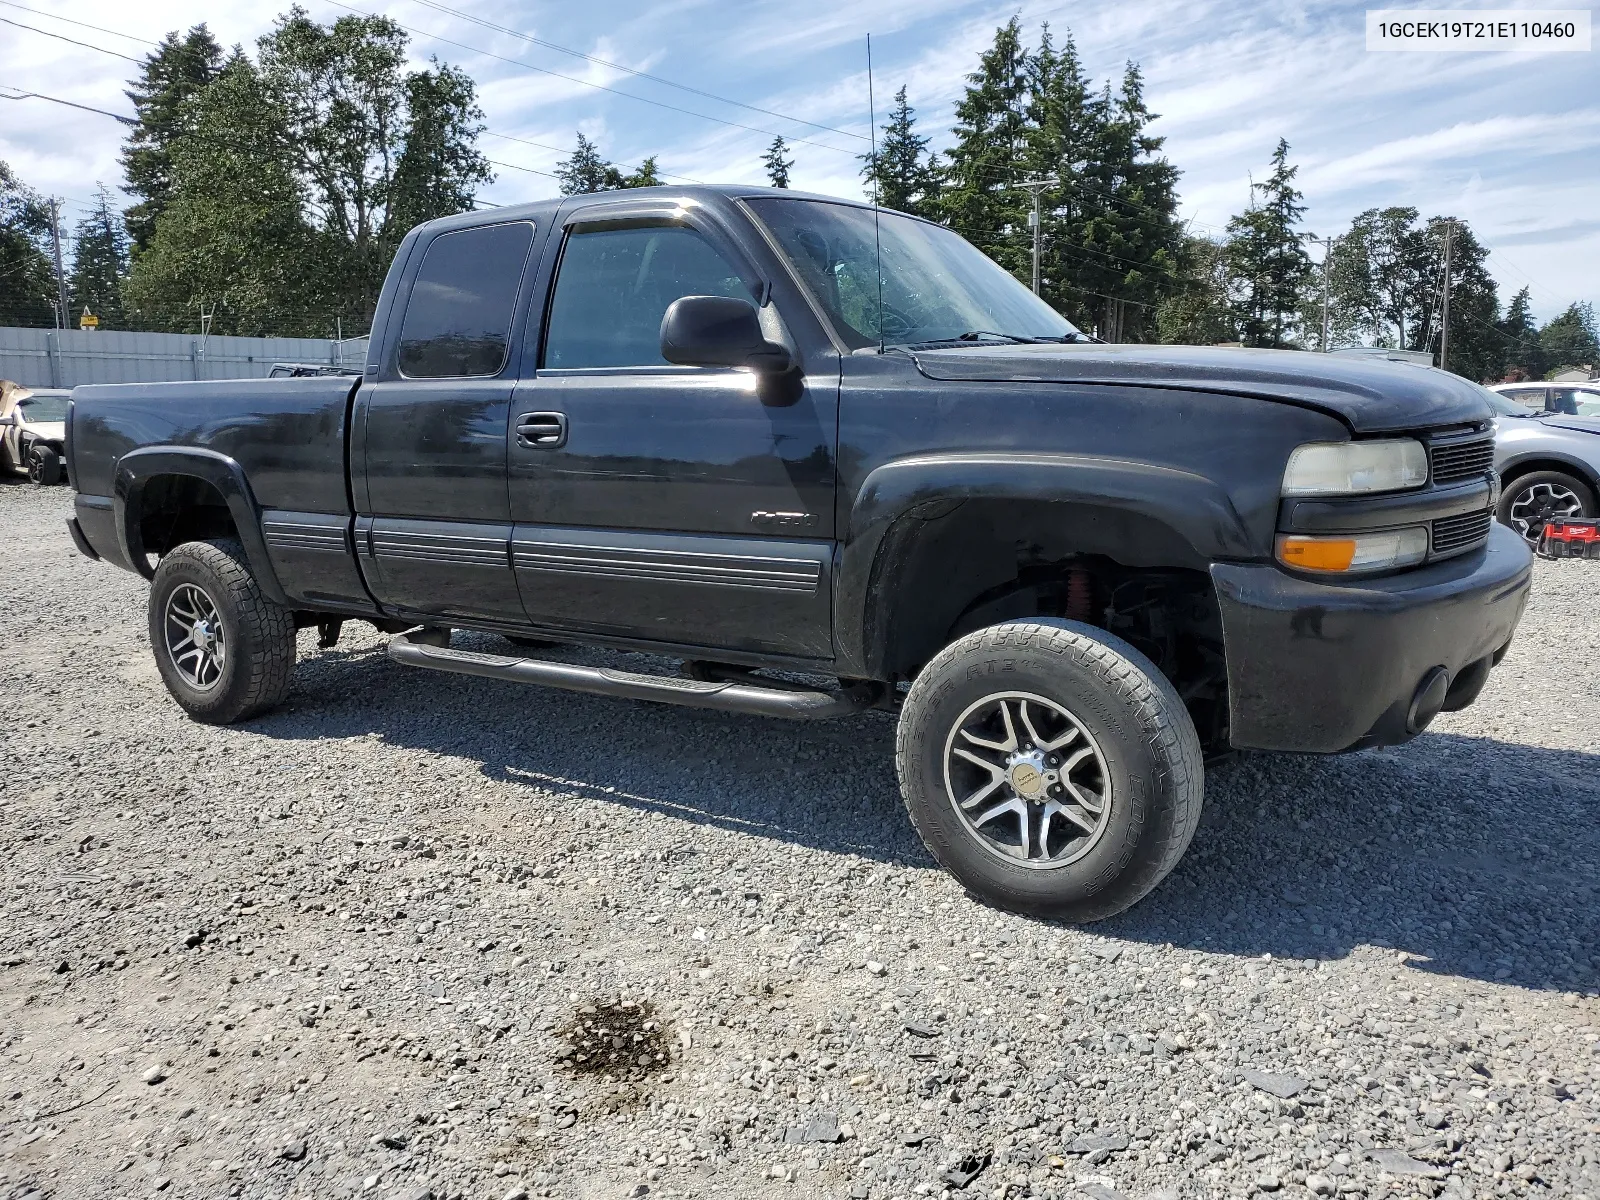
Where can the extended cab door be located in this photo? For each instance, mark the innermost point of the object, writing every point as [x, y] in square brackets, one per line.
[656, 502]
[433, 527]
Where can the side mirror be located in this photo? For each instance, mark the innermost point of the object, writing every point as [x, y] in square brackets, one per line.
[719, 331]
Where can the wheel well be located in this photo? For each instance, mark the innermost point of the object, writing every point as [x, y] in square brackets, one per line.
[175, 509]
[982, 562]
[1529, 466]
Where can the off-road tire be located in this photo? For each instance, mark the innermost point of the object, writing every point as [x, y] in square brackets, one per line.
[260, 635]
[1151, 751]
[44, 465]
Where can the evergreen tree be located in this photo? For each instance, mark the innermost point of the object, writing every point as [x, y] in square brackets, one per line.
[99, 263]
[1268, 258]
[1524, 356]
[1063, 139]
[179, 68]
[234, 238]
[585, 171]
[977, 197]
[1570, 340]
[903, 175]
[439, 167]
[1131, 235]
[776, 164]
[645, 175]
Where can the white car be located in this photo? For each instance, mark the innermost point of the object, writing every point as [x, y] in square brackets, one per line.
[33, 432]
[1568, 399]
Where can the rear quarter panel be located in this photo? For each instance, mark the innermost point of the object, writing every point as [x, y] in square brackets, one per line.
[287, 434]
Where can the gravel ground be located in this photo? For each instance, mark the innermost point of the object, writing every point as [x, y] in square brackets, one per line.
[423, 934]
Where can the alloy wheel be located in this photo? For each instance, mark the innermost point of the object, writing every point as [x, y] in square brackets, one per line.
[196, 642]
[1027, 780]
[1539, 503]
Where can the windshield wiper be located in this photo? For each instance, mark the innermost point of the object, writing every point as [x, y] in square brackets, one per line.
[973, 335]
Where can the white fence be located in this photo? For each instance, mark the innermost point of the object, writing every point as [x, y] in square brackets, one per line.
[67, 357]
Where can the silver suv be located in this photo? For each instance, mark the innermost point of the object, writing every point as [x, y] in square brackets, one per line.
[1548, 459]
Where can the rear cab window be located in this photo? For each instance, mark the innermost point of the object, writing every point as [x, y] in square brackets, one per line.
[458, 317]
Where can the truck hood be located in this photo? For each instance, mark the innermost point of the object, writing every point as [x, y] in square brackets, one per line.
[1371, 396]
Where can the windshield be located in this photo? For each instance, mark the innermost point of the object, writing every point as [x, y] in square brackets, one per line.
[937, 286]
[1504, 406]
[39, 409]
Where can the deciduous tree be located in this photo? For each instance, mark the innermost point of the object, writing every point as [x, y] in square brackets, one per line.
[27, 278]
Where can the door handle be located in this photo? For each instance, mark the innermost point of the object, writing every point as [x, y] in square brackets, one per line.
[542, 430]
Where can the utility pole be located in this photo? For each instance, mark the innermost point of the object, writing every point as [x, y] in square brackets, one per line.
[61, 278]
[1327, 261]
[1444, 308]
[1035, 186]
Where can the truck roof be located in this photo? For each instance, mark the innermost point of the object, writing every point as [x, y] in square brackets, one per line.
[540, 209]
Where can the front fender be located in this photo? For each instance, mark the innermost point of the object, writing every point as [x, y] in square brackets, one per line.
[138, 467]
[1195, 510]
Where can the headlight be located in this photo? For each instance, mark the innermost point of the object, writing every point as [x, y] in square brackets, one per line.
[1354, 553]
[1355, 468]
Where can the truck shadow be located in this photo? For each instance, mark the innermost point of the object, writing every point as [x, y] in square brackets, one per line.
[1479, 858]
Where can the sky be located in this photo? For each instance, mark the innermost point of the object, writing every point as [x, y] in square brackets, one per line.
[1506, 141]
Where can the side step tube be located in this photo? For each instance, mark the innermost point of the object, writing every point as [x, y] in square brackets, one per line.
[603, 681]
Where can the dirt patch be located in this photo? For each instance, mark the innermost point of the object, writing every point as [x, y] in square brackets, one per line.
[620, 1039]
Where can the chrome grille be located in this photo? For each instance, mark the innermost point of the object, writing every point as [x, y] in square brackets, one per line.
[1454, 534]
[1450, 462]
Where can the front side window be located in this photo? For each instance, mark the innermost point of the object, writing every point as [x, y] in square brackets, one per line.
[1587, 401]
[614, 287]
[458, 317]
[936, 285]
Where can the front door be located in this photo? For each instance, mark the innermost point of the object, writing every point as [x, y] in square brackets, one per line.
[664, 503]
[435, 530]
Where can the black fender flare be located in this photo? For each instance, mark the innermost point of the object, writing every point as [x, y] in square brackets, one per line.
[138, 467]
[893, 496]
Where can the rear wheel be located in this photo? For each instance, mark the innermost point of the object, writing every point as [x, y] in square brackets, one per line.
[1531, 500]
[44, 465]
[1050, 767]
[224, 650]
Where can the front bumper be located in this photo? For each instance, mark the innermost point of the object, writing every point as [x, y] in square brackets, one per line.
[1325, 667]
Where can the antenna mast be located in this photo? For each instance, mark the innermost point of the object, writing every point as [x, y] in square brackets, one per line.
[877, 239]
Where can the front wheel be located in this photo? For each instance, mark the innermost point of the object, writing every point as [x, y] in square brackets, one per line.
[224, 650]
[1050, 767]
[44, 465]
[1531, 500]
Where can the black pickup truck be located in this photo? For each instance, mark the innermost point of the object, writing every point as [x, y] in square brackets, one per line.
[831, 459]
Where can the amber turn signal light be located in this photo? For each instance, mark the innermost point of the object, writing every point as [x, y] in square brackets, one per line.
[1381, 551]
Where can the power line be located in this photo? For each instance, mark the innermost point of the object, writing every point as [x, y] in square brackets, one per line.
[514, 167]
[454, 12]
[81, 24]
[63, 37]
[69, 103]
[563, 150]
[584, 82]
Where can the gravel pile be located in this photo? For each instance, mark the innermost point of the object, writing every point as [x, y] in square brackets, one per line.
[376, 942]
